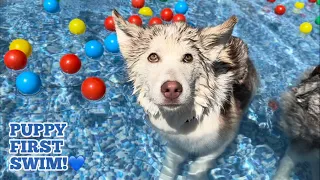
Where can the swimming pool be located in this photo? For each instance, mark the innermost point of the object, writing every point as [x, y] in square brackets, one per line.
[112, 133]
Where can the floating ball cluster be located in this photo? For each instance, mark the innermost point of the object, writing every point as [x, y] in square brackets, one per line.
[305, 27]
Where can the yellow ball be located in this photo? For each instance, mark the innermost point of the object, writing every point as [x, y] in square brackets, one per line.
[306, 27]
[145, 11]
[77, 26]
[22, 45]
[299, 5]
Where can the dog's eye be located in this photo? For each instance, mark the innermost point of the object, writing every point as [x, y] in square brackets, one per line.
[153, 57]
[187, 58]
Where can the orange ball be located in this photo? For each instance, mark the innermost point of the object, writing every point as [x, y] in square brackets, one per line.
[179, 17]
[70, 63]
[109, 24]
[137, 3]
[280, 9]
[155, 20]
[166, 14]
[15, 59]
[93, 88]
[135, 19]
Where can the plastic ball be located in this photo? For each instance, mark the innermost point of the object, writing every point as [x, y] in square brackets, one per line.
[15, 59]
[94, 49]
[179, 17]
[181, 7]
[318, 2]
[312, 1]
[93, 88]
[70, 63]
[271, 1]
[166, 14]
[299, 5]
[109, 24]
[280, 9]
[145, 11]
[77, 26]
[28, 83]
[51, 6]
[137, 3]
[22, 45]
[111, 43]
[155, 20]
[135, 19]
[317, 21]
[306, 27]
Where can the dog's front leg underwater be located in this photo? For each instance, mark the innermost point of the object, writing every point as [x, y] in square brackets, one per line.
[171, 165]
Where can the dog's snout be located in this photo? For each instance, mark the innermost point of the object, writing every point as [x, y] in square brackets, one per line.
[171, 89]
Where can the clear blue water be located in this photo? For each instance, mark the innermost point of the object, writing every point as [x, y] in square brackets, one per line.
[112, 133]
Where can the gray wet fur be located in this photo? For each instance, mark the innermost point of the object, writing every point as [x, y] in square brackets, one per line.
[301, 109]
[300, 120]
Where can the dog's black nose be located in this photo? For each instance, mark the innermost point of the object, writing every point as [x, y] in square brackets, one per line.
[171, 89]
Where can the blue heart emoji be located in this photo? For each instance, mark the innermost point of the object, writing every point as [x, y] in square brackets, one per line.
[76, 163]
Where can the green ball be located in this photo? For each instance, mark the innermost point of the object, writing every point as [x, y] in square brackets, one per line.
[318, 2]
[317, 21]
[167, 0]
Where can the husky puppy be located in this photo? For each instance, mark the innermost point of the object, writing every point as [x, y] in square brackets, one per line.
[194, 84]
[300, 120]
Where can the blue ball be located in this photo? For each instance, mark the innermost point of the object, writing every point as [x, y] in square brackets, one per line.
[181, 7]
[51, 6]
[94, 49]
[111, 43]
[28, 83]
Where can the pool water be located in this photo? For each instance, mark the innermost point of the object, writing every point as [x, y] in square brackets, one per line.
[112, 134]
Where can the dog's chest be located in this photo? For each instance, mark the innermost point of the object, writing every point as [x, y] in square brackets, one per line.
[193, 137]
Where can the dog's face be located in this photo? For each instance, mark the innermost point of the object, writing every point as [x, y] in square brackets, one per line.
[165, 62]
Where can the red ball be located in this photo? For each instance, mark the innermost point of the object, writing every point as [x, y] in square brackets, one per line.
[312, 1]
[109, 23]
[135, 19]
[272, 1]
[280, 9]
[15, 59]
[93, 88]
[166, 14]
[179, 17]
[137, 3]
[155, 20]
[70, 63]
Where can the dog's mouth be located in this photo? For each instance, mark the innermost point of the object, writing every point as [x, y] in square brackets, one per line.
[170, 104]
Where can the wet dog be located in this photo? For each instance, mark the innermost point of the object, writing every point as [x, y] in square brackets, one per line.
[300, 120]
[194, 84]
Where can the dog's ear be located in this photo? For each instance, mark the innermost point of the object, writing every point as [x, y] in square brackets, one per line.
[126, 33]
[214, 39]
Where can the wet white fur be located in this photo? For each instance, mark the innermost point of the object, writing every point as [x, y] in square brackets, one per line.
[202, 136]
